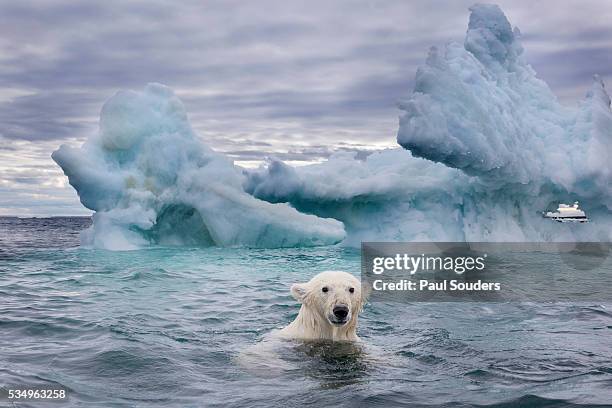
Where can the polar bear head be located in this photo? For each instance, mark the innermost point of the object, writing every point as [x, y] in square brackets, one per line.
[332, 297]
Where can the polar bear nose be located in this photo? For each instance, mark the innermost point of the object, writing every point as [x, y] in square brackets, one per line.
[341, 311]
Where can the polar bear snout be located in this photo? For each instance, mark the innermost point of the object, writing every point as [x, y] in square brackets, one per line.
[341, 311]
[340, 315]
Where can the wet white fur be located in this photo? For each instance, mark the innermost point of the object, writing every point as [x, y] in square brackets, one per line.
[312, 322]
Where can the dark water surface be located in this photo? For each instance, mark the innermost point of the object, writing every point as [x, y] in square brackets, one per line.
[165, 327]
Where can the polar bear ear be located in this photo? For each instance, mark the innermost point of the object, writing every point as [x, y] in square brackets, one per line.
[299, 290]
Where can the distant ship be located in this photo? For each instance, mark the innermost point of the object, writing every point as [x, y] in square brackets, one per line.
[567, 213]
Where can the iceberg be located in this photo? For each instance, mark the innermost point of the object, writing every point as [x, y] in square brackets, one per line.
[489, 148]
[479, 108]
[151, 181]
[485, 147]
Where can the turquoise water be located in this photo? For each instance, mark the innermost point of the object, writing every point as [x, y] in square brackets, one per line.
[165, 327]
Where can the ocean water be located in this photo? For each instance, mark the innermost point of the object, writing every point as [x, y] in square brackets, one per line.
[166, 327]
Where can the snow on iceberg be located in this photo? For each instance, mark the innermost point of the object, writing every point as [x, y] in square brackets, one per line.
[499, 149]
[149, 180]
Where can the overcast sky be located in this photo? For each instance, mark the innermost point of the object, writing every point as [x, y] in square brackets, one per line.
[296, 80]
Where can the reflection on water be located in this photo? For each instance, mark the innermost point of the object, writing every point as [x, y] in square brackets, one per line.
[334, 365]
[330, 364]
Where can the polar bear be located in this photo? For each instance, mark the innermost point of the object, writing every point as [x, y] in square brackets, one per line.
[331, 302]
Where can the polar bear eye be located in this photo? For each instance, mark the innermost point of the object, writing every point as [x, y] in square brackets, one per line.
[352, 290]
[324, 289]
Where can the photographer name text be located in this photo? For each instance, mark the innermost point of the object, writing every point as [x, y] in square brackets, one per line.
[426, 285]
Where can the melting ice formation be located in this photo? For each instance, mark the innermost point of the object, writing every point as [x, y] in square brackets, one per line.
[149, 180]
[487, 148]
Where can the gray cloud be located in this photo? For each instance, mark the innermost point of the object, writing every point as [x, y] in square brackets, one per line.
[296, 80]
[48, 115]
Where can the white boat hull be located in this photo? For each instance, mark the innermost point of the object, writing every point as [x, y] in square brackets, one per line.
[561, 219]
